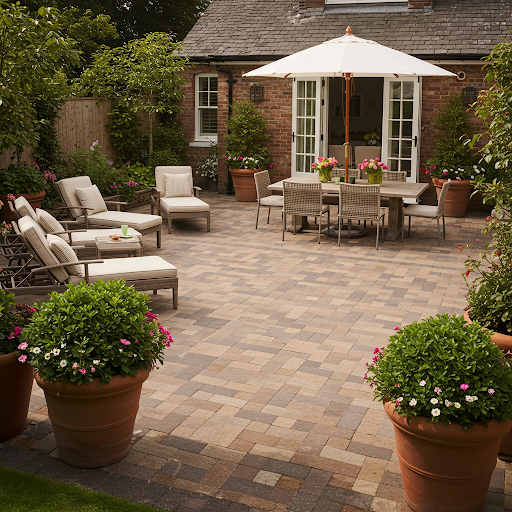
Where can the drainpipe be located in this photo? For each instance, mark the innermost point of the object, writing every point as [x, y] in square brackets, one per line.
[230, 82]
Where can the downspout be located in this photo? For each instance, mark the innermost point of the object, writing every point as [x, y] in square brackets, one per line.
[230, 81]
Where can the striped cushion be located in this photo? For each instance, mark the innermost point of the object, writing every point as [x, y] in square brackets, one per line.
[50, 224]
[90, 197]
[179, 185]
[63, 252]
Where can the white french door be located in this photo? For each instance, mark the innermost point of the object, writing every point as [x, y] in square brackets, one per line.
[307, 127]
[400, 125]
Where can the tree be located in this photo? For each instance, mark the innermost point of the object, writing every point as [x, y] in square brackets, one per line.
[142, 75]
[32, 52]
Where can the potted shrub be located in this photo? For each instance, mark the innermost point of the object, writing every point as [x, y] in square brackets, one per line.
[23, 180]
[92, 347]
[246, 153]
[16, 378]
[207, 167]
[446, 388]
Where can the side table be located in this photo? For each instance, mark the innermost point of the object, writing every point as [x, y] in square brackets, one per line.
[127, 246]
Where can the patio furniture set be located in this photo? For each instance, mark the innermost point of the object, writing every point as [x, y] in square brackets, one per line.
[304, 197]
[43, 253]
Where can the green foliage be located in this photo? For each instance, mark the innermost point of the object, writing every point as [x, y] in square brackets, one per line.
[452, 129]
[443, 369]
[32, 51]
[94, 331]
[22, 178]
[12, 318]
[169, 144]
[490, 293]
[141, 174]
[207, 166]
[127, 189]
[248, 130]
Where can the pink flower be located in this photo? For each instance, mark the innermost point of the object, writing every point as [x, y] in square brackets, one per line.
[396, 328]
[422, 383]
[75, 366]
[82, 371]
[464, 386]
[11, 197]
[110, 162]
[437, 390]
[170, 340]
[490, 391]
[92, 369]
[23, 346]
[376, 350]
[17, 331]
[125, 342]
[32, 309]
[11, 336]
[22, 359]
[151, 333]
[150, 315]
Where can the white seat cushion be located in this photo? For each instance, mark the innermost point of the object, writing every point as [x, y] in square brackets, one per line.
[421, 210]
[63, 252]
[90, 197]
[35, 235]
[50, 224]
[23, 207]
[183, 204]
[88, 238]
[272, 201]
[179, 185]
[137, 221]
[130, 269]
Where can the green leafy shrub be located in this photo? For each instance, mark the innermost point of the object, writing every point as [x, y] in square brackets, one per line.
[22, 178]
[12, 318]
[126, 136]
[94, 331]
[127, 189]
[169, 144]
[141, 174]
[443, 368]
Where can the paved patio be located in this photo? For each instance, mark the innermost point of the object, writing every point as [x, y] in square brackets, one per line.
[261, 403]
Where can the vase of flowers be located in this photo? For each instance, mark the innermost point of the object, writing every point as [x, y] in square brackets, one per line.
[324, 167]
[92, 347]
[445, 387]
[374, 170]
[16, 378]
[372, 139]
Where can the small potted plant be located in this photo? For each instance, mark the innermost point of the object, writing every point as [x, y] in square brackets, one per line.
[92, 347]
[374, 169]
[446, 389]
[207, 167]
[324, 167]
[372, 139]
[16, 378]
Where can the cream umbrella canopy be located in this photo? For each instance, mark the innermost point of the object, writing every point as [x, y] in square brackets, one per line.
[348, 57]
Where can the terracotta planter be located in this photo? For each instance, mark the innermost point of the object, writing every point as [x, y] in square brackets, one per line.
[245, 186]
[504, 342]
[457, 198]
[93, 424]
[15, 388]
[445, 469]
[35, 201]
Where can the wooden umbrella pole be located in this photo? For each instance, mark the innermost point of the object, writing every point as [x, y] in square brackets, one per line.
[347, 120]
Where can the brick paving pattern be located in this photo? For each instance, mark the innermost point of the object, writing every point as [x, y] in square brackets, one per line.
[261, 404]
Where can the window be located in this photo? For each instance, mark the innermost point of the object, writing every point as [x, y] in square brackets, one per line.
[206, 107]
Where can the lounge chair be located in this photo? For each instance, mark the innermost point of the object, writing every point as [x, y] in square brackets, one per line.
[60, 266]
[176, 197]
[87, 207]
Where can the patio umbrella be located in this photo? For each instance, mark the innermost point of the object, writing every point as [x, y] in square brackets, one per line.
[349, 56]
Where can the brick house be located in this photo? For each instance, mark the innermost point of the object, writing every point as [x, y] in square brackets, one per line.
[236, 36]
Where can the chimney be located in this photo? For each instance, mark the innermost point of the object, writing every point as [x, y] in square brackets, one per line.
[419, 4]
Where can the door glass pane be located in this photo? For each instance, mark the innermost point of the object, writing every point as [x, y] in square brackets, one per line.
[311, 89]
[394, 146]
[301, 107]
[310, 145]
[301, 87]
[407, 129]
[310, 126]
[406, 149]
[393, 165]
[395, 129]
[300, 126]
[405, 165]
[394, 112]
[408, 90]
[300, 163]
[310, 108]
[396, 90]
[309, 163]
[407, 106]
[305, 112]
[300, 144]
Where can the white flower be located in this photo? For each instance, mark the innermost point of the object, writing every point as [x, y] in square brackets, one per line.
[413, 402]
[400, 398]
[472, 177]
[477, 171]
[434, 401]
[47, 356]
[435, 412]
[121, 350]
[96, 361]
[447, 403]
[63, 363]
[62, 345]
[457, 405]
[475, 398]
[36, 350]
[469, 398]
[56, 351]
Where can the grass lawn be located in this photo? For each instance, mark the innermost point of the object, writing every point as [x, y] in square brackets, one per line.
[22, 492]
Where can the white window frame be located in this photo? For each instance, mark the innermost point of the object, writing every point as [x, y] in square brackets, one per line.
[198, 137]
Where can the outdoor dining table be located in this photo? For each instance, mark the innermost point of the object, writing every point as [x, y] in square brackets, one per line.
[395, 190]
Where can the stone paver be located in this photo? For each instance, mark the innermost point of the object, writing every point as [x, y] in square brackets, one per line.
[260, 404]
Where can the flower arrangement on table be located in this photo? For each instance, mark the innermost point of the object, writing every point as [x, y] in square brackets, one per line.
[127, 189]
[324, 167]
[92, 332]
[260, 160]
[372, 138]
[374, 169]
[13, 319]
[443, 369]
[461, 173]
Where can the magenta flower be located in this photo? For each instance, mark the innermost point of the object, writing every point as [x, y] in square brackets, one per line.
[151, 316]
[464, 386]
[17, 331]
[151, 333]
[376, 350]
[32, 309]
[125, 342]
[22, 359]
[396, 328]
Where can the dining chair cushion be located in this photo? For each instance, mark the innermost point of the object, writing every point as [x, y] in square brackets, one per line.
[130, 269]
[90, 197]
[273, 200]
[179, 185]
[114, 219]
[24, 208]
[50, 224]
[36, 237]
[183, 204]
[421, 210]
[63, 252]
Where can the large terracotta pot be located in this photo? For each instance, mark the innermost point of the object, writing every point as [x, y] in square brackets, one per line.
[245, 186]
[34, 199]
[457, 198]
[445, 469]
[93, 424]
[504, 342]
[15, 388]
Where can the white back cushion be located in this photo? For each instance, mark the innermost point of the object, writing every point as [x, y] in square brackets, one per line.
[24, 208]
[50, 224]
[67, 188]
[91, 198]
[63, 252]
[178, 185]
[169, 169]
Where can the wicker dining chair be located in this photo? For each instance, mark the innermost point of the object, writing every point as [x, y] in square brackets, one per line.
[304, 199]
[425, 210]
[339, 172]
[400, 176]
[360, 202]
[265, 197]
